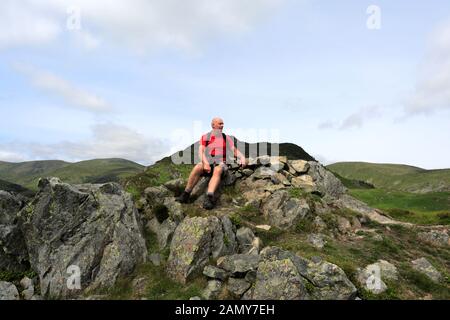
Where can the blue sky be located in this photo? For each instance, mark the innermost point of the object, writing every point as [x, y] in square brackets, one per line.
[140, 79]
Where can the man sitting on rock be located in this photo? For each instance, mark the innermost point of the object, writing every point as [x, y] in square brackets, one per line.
[212, 152]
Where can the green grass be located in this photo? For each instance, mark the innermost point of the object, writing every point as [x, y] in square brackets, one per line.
[429, 208]
[156, 175]
[395, 176]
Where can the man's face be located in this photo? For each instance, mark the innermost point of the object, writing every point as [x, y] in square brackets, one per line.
[217, 124]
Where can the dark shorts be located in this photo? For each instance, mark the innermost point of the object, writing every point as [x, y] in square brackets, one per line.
[224, 170]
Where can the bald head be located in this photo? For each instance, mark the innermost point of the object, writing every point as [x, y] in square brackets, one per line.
[217, 123]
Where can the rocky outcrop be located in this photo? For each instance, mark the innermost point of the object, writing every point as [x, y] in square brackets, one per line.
[283, 211]
[88, 232]
[191, 247]
[424, 266]
[8, 291]
[284, 275]
[13, 251]
[279, 280]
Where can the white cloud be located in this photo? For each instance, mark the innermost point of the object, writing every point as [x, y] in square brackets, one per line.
[55, 85]
[108, 141]
[10, 156]
[354, 120]
[139, 24]
[432, 91]
[24, 23]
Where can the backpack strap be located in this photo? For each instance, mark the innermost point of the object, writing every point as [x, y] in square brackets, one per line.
[224, 146]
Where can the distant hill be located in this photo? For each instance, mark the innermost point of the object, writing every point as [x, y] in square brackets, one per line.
[290, 150]
[28, 173]
[15, 188]
[395, 176]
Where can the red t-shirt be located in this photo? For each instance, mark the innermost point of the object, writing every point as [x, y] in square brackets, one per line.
[216, 146]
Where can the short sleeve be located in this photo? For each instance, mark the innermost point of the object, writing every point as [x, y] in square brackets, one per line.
[203, 140]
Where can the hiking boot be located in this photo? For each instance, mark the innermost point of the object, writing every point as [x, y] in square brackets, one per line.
[209, 203]
[184, 197]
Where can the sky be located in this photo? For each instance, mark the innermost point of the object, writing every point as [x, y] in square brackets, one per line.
[140, 79]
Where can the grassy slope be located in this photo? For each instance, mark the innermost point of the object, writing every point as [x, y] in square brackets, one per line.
[393, 182]
[395, 176]
[90, 171]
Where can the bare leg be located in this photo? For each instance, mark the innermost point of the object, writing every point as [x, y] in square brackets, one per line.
[194, 176]
[215, 180]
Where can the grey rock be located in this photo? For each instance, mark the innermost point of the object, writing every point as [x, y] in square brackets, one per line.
[245, 237]
[95, 228]
[176, 185]
[330, 282]
[164, 231]
[8, 291]
[224, 240]
[239, 263]
[26, 283]
[279, 178]
[155, 195]
[191, 247]
[215, 273]
[424, 266]
[228, 179]
[328, 184]
[263, 173]
[279, 280]
[13, 250]
[27, 294]
[283, 211]
[247, 172]
[237, 287]
[317, 240]
[174, 208]
[212, 290]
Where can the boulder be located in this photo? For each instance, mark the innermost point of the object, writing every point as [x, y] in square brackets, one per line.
[224, 240]
[304, 182]
[300, 166]
[245, 237]
[92, 230]
[191, 247]
[424, 266]
[164, 231]
[263, 173]
[176, 186]
[330, 282]
[8, 291]
[283, 211]
[174, 209]
[13, 250]
[239, 263]
[327, 183]
[215, 273]
[279, 280]
[212, 290]
[343, 224]
[237, 287]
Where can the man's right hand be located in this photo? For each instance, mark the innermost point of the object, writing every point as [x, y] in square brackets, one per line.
[206, 168]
